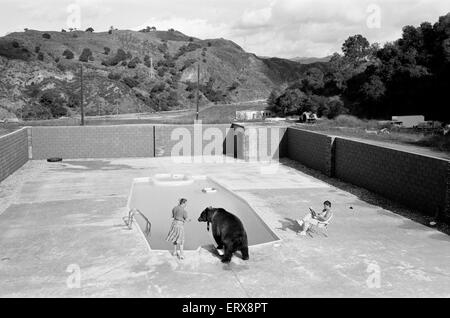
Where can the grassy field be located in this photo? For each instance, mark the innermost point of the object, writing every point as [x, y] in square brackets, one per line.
[349, 126]
[5, 131]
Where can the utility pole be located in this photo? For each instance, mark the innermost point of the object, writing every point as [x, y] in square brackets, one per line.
[81, 95]
[152, 71]
[198, 87]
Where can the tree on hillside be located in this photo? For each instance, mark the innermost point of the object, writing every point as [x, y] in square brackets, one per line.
[68, 54]
[86, 55]
[90, 29]
[356, 49]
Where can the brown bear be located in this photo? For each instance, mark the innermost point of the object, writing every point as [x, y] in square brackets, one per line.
[228, 232]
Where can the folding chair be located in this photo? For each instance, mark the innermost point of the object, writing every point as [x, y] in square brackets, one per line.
[321, 227]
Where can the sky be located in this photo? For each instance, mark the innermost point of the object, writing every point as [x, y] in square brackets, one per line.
[281, 28]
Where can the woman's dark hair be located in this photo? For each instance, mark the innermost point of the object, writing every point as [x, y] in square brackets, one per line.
[327, 203]
[183, 201]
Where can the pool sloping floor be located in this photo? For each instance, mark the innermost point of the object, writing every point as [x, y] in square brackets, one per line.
[56, 215]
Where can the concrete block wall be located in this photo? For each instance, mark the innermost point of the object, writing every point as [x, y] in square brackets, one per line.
[417, 181]
[13, 152]
[93, 142]
[167, 137]
[311, 149]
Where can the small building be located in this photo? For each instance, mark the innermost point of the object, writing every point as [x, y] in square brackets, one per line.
[408, 121]
[253, 114]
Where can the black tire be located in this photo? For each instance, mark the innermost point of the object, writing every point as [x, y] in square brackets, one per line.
[54, 159]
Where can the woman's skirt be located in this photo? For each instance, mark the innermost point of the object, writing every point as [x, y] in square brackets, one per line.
[176, 233]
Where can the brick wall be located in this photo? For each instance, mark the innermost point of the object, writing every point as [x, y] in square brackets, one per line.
[417, 181]
[13, 152]
[93, 142]
[311, 149]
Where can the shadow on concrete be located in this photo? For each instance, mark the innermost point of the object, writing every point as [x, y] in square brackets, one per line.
[93, 165]
[212, 249]
[289, 224]
[440, 237]
[369, 197]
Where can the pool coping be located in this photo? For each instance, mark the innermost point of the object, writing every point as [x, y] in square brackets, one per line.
[202, 177]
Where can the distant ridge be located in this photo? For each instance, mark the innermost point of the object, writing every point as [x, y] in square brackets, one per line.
[310, 60]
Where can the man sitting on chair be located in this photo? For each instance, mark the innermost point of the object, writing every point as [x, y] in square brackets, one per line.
[314, 218]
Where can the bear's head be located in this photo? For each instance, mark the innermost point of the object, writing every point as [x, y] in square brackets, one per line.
[206, 216]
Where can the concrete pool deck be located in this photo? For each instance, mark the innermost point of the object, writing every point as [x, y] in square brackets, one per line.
[56, 215]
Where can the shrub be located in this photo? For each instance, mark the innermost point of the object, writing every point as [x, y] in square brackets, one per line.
[107, 50]
[35, 111]
[116, 59]
[63, 31]
[15, 44]
[162, 71]
[130, 82]
[54, 103]
[37, 49]
[40, 56]
[86, 55]
[233, 86]
[209, 44]
[61, 67]
[134, 62]
[46, 36]
[124, 63]
[68, 54]
[187, 64]
[114, 76]
[158, 88]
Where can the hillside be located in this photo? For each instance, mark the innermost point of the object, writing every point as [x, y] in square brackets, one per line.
[310, 60]
[39, 72]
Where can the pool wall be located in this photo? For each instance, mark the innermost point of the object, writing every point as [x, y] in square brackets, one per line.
[127, 141]
[13, 152]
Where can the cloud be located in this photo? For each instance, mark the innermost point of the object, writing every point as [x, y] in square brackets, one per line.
[200, 28]
[284, 28]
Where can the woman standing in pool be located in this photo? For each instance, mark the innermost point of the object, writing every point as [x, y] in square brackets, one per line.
[176, 232]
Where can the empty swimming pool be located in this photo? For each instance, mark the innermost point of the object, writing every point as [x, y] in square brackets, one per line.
[155, 197]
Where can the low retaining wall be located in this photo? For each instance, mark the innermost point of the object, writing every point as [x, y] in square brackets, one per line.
[126, 141]
[420, 182]
[417, 181]
[198, 140]
[13, 152]
[311, 149]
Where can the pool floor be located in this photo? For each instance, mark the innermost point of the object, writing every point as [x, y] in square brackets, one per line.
[157, 201]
